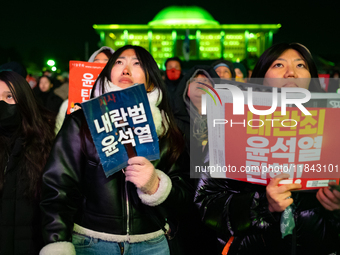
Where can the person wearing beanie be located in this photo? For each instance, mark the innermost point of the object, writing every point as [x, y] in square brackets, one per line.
[240, 71]
[224, 69]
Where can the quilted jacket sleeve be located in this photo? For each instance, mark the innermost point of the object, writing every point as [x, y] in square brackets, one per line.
[234, 207]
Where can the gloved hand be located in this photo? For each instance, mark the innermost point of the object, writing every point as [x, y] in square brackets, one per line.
[142, 173]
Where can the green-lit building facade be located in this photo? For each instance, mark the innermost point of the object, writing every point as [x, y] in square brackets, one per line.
[177, 26]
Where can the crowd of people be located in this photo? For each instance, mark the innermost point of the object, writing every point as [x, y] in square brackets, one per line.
[56, 198]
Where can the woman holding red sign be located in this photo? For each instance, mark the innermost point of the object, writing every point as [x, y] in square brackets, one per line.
[85, 212]
[272, 219]
[287, 65]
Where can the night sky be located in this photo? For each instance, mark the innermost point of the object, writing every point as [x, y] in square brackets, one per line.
[33, 31]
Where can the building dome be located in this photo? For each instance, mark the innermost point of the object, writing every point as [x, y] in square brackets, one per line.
[183, 16]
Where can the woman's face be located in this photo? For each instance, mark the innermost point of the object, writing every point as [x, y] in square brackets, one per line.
[127, 70]
[173, 64]
[6, 94]
[196, 85]
[223, 72]
[238, 73]
[45, 84]
[101, 58]
[291, 68]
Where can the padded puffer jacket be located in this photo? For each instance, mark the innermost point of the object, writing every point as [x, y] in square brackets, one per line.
[240, 210]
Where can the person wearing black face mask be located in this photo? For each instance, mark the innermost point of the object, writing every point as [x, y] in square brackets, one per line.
[26, 136]
[10, 118]
[173, 76]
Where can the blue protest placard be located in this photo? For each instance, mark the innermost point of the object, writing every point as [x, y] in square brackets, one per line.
[122, 126]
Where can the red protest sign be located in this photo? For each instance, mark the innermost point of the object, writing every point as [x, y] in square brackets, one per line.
[82, 77]
[324, 81]
[304, 146]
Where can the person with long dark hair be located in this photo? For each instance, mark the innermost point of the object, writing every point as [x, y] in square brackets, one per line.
[85, 212]
[285, 62]
[26, 137]
[273, 219]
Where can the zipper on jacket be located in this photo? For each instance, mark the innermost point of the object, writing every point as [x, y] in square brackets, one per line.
[6, 164]
[127, 210]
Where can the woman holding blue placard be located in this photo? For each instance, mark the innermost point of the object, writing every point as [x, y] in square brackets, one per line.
[85, 212]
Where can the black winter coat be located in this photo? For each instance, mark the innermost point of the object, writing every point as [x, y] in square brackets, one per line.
[48, 99]
[240, 209]
[76, 190]
[20, 228]
[171, 88]
[195, 237]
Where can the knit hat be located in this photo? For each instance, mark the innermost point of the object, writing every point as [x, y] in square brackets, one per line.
[242, 68]
[226, 63]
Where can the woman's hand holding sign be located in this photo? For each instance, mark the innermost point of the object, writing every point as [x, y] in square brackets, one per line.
[329, 197]
[279, 196]
[142, 173]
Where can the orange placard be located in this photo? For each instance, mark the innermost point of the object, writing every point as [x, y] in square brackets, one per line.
[82, 77]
